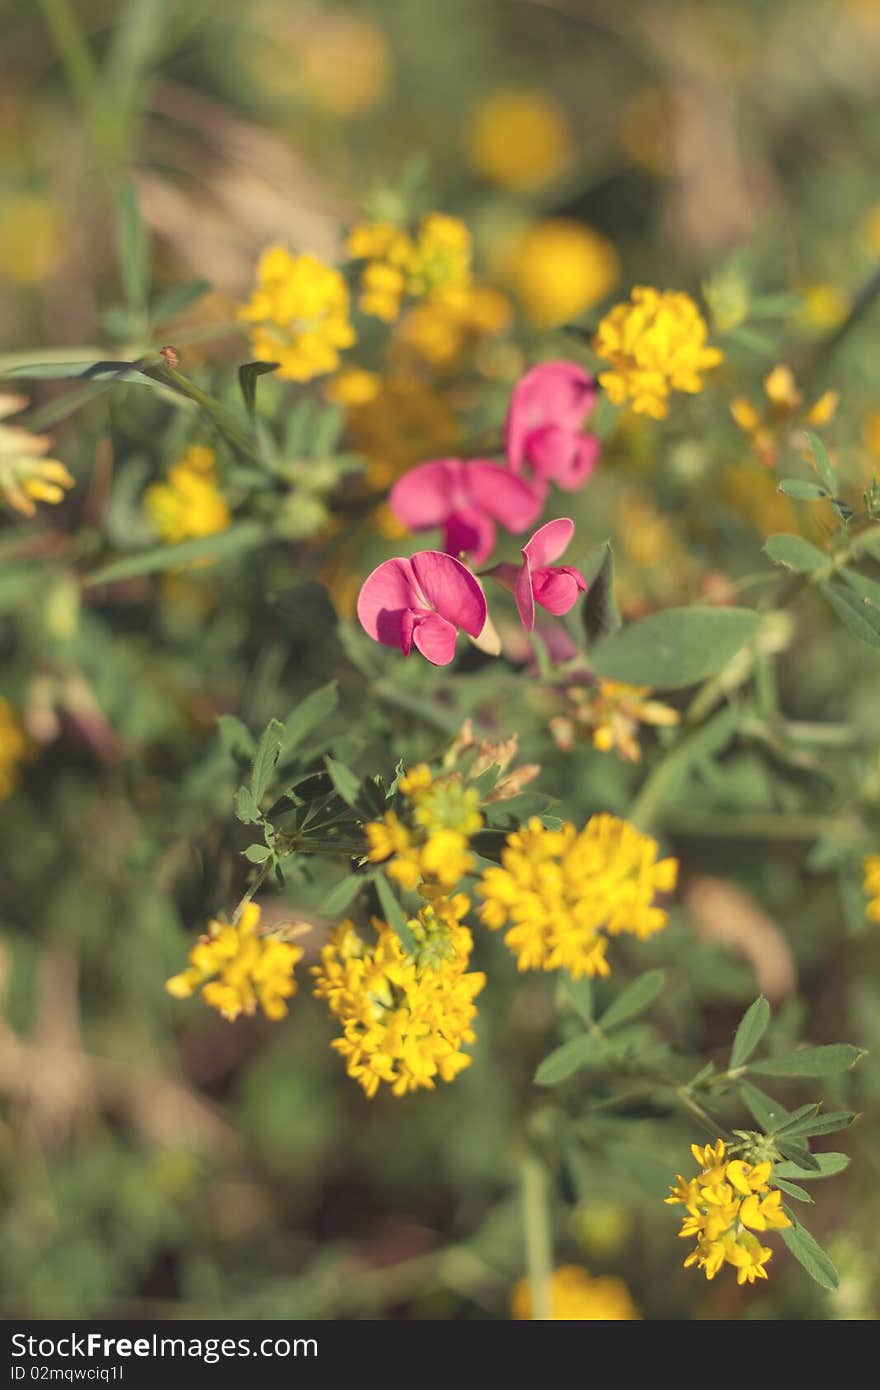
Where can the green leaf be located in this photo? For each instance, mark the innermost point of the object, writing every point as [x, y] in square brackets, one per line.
[829, 1060]
[265, 758]
[808, 1252]
[752, 1027]
[675, 648]
[248, 375]
[791, 1188]
[246, 808]
[801, 490]
[599, 612]
[257, 854]
[824, 467]
[109, 371]
[867, 587]
[343, 780]
[245, 535]
[766, 1111]
[580, 995]
[176, 299]
[394, 913]
[827, 1166]
[236, 738]
[131, 249]
[633, 1000]
[342, 894]
[795, 553]
[562, 1063]
[860, 616]
[317, 706]
[797, 1152]
[810, 1126]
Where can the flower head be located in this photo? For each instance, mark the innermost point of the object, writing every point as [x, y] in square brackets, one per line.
[300, 314]
[466, 499]
[562, 893]
[434, 261]
[236, 969]
[611, 712]
[544, 423]
[766, 429]
[188, 504]
[576, 1297]
[537, 580]
[656, 343]
[558, 268]
[404, 1016]
[519, 139]
[423, 600]
[726, 1202]
[429, 849]
[26, 476]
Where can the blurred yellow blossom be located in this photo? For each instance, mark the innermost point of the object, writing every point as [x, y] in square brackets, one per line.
[561, 893]
[15, 749]
[345, 63]
[766, 429]
[871, 885]
[31, 242]
[300, 314]
[441, 328]
[188, 504]
[435, 260]
[352, 386]
[656, 343]
[519, 139]
[825, 305]
[611, 711]
[26, 475]
[404, 1017]
[557, 268]
[406, 422]
[575, 1296]
[236, 969]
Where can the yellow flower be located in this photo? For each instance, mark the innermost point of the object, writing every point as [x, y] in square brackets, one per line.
[300, 314]
[871, 885]
[765, 430]
[612, 711]
[519, 139]
[558, 268]
[236, 969]
[404, 1017]
[656, 343]
[443, 327]
[345, 64]
[188, 504]
[444, 814]
[353, 386]
[725, 1202]
[435, 261]
[31, 241]
[26, 476]
[15, 749]
[576, 1297]
[561, 893]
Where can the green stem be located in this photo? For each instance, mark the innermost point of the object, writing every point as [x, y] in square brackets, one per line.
[73, 51]
[748, 825]
[538, 1236]
[254, 888]
[711, 1125]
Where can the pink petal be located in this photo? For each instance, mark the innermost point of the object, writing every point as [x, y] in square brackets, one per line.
[504, 574]
[525, 598]
[451, 589]
[581, 462]
[502, 495]
[435, 639]
[567, 458]
[471, 531]
[557, 589]
[549, 541]
[557, 641]
[553, 393]
[425, 495]
[386, 596]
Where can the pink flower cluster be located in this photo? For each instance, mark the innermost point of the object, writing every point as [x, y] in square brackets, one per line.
[423, 601]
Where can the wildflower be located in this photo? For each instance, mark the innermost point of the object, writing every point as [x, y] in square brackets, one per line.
[561, 893]
[236, 968]
[404, 1017]
[558, 268]
[441, 328]
[423, 600]
[300, 314]
[544, 422]
[433, 262]
[726, 1202]
[345, 63]
[188, 504]
[352, 386]
[432, 849]
[519, 139]
[612, 712]
[31, 238]
[15, 749]
[26, 476]
[656, 343]
[576, 1297]
[466, 499]
[537, 579]
[871, 886]
[765, 429]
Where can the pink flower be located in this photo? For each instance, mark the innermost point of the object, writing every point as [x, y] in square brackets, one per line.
[547, 410]
[422, 600]
[466, 499]
[537, 579]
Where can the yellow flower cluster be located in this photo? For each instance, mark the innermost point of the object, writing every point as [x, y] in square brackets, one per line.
[26, 476]
[561, 893]
[871, 885]
[725, 1203]
[300, 314]
[557, 268]
[612, 712]
[431, 848]
[443, 327]
[404, 1017]
[436, 260]
[519, 139]
[236, 969]
[15, 749]
[763, 428]
[576, 1297]
[188, 504]
[656, 343]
